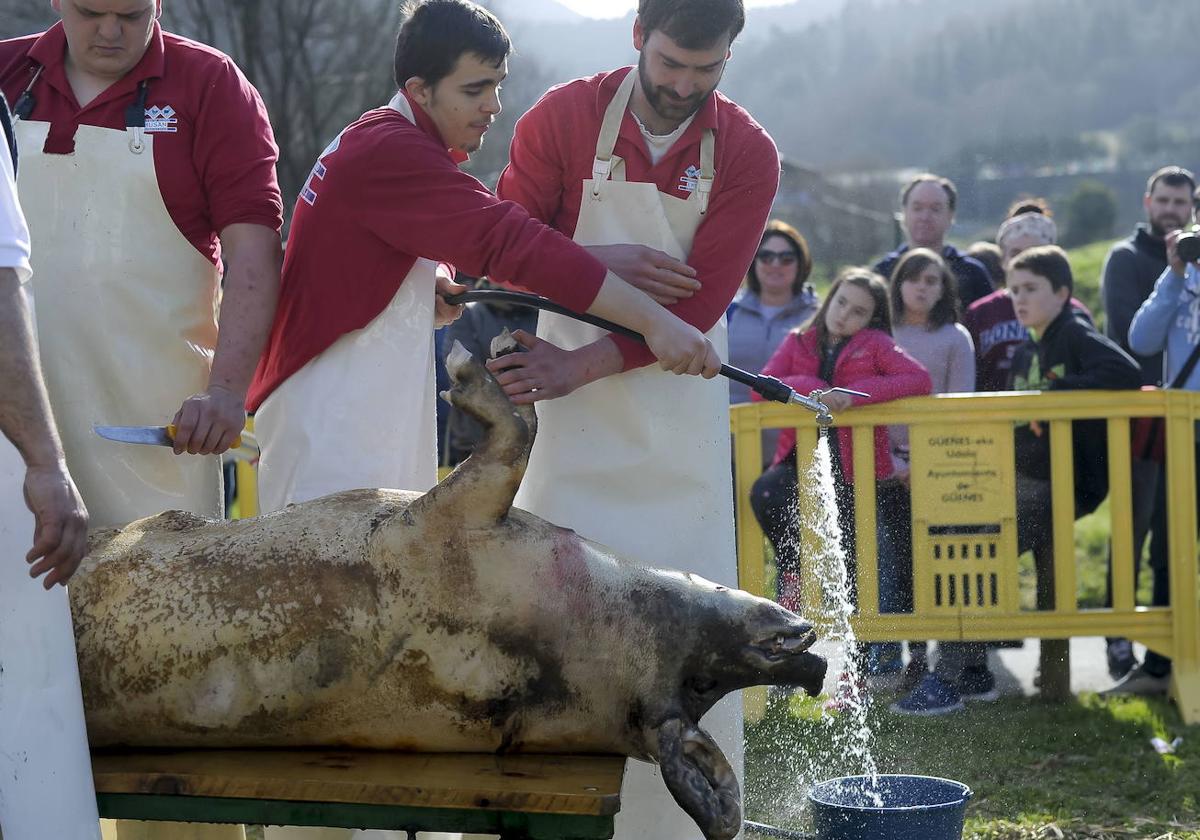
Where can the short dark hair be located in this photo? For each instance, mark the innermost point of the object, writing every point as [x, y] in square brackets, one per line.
[992, 257]
[1029, 205]
[804, 263]
[436, 33]
[914, 261]
[867, 280]
[693, 24]
[1172, 176]
[929, 178]
[1196, 200]
[1047, 261]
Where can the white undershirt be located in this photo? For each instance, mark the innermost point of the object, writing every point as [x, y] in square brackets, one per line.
[14, 234]
[659, 144]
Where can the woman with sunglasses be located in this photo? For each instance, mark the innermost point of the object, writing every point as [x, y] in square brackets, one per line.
[774, 301]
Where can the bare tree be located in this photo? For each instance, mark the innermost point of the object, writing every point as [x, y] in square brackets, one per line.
[24, 17]
[318, 64]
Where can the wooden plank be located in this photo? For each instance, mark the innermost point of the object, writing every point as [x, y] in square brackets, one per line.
[132, 806]
[546, 784]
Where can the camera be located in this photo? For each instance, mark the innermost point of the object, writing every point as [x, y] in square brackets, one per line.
[1188, 246]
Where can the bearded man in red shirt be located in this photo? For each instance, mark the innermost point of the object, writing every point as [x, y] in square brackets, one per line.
[651, 155]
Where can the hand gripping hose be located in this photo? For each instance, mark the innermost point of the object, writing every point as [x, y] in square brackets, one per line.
[767, 387]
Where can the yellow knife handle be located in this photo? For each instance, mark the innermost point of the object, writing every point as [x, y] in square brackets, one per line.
[237, 441]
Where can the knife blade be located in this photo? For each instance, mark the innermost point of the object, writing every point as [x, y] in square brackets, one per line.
[163, 436]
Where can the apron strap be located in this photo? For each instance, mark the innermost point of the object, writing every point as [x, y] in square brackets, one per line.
[602, 165]
[23, 107]
[704, 183]
[605, 163]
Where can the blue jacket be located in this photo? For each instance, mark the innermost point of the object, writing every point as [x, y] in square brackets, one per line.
[753, 337]
[1169, 321]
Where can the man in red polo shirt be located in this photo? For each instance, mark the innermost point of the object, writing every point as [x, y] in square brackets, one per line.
[344, 396]
[147, 160]
[638, 461]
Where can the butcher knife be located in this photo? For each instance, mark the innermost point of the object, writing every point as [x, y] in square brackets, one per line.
[244, 447]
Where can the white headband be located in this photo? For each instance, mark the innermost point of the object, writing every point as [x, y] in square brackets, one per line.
[1032, 224]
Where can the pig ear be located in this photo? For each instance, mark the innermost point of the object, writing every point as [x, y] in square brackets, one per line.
[700, 778]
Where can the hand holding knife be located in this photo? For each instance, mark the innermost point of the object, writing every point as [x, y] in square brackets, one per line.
[244, 447]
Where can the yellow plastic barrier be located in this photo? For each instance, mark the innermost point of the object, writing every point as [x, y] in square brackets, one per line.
[245, 502]
[964, 520]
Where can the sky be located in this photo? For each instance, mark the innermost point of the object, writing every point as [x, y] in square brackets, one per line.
[618, 8]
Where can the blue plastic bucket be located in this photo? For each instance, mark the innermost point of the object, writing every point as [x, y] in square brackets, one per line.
[889, 807]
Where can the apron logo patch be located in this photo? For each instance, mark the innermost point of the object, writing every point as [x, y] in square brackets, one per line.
[687, 182]
[161, 120]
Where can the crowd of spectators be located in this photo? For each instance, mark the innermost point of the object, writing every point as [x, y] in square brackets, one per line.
[999, 316]
[929, 318]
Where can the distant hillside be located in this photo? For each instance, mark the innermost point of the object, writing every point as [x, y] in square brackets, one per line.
[1014, 92]
[759, 22]
[911, 84]
[882, 83]
[577, 46]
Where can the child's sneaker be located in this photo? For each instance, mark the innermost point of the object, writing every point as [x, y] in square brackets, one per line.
[788, 584]
[1120, 656]
[914, 673]
[934, 696]
[978, 684]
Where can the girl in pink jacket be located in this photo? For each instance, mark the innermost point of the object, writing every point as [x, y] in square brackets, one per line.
[849, 344]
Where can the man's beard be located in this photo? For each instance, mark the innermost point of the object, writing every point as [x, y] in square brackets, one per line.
[1161, 229]
[664, 102]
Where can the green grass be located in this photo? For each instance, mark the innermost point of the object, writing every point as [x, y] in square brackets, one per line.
[1086, 265]
[1083, 769]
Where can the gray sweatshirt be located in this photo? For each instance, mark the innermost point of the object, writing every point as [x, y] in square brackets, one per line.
[947, 353]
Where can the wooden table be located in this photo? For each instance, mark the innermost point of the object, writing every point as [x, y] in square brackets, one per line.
[519, 797]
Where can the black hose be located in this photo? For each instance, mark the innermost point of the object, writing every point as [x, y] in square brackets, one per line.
[767, 387]
[772, 831]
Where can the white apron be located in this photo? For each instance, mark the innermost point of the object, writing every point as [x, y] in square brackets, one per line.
[362, 413]
[126, 315]
[45, 769]
[126, 319]
[639, 461]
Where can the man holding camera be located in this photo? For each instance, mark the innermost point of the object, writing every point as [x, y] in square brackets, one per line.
[1168, 323]
[1130, 271]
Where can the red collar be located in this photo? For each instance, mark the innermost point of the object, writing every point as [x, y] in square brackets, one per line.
[50, 51]
[426, 124]
[706, 117]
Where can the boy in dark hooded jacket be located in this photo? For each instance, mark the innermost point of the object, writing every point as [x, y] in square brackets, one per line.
[1064, 352]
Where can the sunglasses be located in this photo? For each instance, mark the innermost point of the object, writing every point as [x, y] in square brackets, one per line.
[780, 257]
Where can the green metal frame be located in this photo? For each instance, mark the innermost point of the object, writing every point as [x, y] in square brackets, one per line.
[508, 824]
